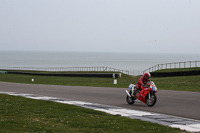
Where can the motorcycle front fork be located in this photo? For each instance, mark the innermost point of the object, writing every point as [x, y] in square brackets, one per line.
[133, 91]
[149, 96]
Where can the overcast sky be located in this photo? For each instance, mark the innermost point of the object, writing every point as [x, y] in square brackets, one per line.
[168, 26]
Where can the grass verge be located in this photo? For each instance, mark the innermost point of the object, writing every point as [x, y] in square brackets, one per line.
[72, 81]
[178, 69]
[180, 83]
[19, 114]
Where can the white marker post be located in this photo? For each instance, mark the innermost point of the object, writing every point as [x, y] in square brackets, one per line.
[115, 81]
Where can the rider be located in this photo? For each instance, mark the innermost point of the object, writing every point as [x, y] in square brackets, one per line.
[142, 81]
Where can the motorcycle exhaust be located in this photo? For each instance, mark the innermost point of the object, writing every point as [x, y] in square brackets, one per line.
[127, 93]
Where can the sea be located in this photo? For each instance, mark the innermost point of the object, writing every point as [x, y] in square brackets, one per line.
[134, 63]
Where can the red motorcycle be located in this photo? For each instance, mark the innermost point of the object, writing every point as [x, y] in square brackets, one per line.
[146, 95]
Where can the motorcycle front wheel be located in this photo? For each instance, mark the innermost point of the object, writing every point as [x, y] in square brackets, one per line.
[129, 100]
[152, 101]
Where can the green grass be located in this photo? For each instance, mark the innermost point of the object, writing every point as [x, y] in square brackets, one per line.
[179, 69]
[19, 114]
[180, 83]
[72, 81]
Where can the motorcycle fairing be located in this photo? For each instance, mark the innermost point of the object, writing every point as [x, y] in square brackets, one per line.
[142, 95]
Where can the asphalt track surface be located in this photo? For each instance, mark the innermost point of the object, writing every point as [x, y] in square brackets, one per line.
[176, 103]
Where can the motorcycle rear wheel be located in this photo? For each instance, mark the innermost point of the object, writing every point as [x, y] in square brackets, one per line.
[152, 101]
